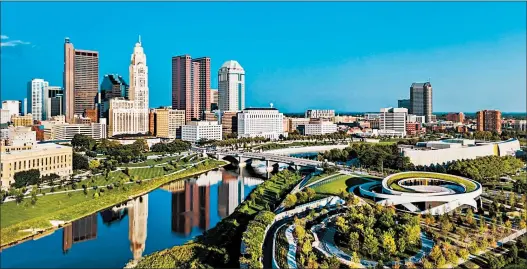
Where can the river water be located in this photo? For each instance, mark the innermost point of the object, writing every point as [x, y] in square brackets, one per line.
[169, 216]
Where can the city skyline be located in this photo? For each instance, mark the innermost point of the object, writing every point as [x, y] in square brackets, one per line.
[464, 62]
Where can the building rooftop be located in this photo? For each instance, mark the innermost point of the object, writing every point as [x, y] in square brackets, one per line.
[260, 108]
[232, 65]
[420, 84]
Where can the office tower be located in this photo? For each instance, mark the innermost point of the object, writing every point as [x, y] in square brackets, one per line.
[131, 116]
[204, 84]
[168, 122]
[191, 85]
[214, 99]
[488, 120]
[392, 122]
[456, 117]
[421, 100]
[81, 79]
[263, 122]
[403, 103]
[112, 86]
[25, 107]
[36, 90]
[231, 87]
[53, 101]
[13, 106]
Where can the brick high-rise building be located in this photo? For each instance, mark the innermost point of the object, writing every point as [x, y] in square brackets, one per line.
[81, 79]
[488, 120]
[456, 117]
[191, 85]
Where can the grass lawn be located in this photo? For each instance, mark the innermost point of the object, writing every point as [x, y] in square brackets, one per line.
[342, 183]
[317, 177]
[150, 162]
[145, 173]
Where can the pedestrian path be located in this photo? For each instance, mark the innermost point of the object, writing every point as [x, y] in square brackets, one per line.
[291, 252]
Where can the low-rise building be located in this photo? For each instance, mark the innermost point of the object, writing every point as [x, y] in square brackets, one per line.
[47, 158]
[21, 135]
[320, 113]
[413, 128]
[295, 122]
[195, 131]
[456, 117]
[444, 151]
[318, 128]
[96, 131]
[26, 120]
[415, 118]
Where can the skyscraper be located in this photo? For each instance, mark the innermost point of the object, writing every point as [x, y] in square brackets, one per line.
[81, 79]
[421, 100]
[36, 90]
[131, 116]
[203, 84]
[231, 84]
[403, 103]
[112, 86]
[191, 85]
[53, 101]
[138, 92]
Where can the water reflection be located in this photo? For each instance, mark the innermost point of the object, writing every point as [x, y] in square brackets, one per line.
[79, 231]
[177, 213]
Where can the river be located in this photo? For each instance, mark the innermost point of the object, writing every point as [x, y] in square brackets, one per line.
[169, 216]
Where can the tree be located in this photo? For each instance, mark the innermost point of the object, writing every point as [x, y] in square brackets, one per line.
[463, 253]
[34, 198]
[19, 196]
[371, 245]
[401, 244]
[80, 162]
[355, 257]
[354, 243]
[333, 262]
[25, 178]
[80, 141]
[94, 164]
[470, 217]
[388, 243]
[436, 253]
[413, 234]
[290, 200]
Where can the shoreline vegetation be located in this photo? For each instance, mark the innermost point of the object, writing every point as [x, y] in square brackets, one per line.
[219, 247]
[88, 203]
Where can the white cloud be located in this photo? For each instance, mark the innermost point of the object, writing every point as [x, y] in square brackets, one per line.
[3, 37]
[13, 43]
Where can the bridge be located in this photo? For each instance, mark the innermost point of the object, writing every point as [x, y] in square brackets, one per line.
[269, 158]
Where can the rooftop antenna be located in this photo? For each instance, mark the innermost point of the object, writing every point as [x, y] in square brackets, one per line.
[271, 104]
[139, 39]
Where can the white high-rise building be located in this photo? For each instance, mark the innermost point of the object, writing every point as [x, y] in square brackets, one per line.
[392, 122]
[131, 116]
[231, 87]
[13, 106]
[36, 89]
[263, 122]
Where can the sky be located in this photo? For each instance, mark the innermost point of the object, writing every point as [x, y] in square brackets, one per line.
[347, 56]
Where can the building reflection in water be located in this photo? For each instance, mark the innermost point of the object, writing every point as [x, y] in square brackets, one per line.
[231, 191]
[137, 219]
[80, 230]
[191, 202]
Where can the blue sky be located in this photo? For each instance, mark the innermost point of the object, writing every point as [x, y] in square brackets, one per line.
[350, 56]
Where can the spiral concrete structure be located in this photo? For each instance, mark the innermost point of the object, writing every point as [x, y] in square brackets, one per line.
[424, 192]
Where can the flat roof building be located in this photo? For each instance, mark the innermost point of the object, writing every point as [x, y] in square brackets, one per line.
[261, 122]
[196, 131]
[47, 158]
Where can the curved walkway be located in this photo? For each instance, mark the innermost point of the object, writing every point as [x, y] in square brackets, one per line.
[291, 252]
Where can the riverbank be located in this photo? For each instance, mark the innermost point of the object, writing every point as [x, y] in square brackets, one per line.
[65, 208]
